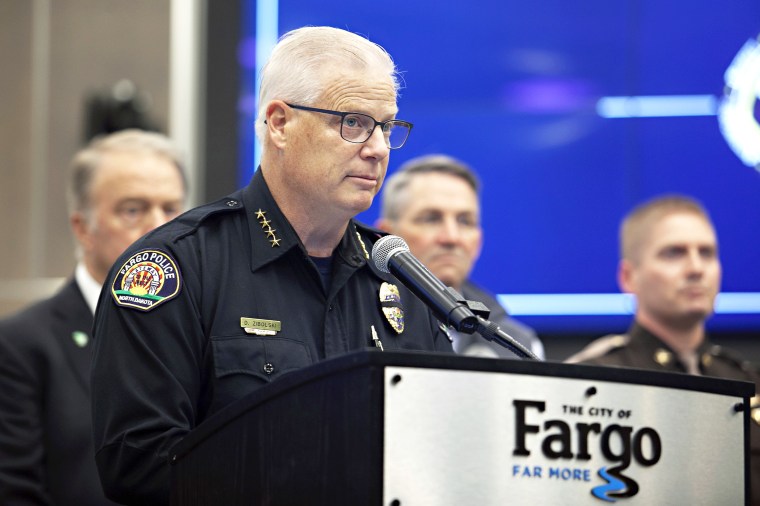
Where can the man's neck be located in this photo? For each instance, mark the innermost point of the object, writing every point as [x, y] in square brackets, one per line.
[319, 231]
[680, 338]
[88, 285]
[318, 241]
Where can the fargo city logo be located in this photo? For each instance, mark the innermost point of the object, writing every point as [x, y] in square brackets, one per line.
[628, 449]
[147, 279]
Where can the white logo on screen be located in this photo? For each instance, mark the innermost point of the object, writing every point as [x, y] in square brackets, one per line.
[736, 114]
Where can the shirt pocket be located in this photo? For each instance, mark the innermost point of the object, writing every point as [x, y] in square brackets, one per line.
[265, 358]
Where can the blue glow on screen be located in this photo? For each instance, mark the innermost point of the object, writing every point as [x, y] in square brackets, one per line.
[657, 107]
[571, 114]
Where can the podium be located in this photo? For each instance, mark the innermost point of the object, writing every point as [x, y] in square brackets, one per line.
[409, 429]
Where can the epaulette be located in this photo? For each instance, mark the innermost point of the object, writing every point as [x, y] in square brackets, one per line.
[190, 221]
[727, 355]
[599, 348]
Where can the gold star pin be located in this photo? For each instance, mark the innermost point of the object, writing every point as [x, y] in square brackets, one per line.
[266, 224]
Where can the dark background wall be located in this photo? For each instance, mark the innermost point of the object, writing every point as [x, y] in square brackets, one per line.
[54, 55]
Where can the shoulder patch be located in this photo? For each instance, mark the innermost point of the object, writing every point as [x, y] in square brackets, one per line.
[148, 278]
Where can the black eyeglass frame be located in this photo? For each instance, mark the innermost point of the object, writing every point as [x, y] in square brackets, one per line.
[343, 115]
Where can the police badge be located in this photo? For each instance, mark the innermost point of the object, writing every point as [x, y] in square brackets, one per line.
[390, 303]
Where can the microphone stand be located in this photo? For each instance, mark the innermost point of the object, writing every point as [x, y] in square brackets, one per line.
[472, 316]
[493, 333]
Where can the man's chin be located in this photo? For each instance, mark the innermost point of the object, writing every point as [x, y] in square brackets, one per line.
[694, 316]
[449, 277]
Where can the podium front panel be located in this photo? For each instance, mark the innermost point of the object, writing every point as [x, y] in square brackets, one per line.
[457, 437]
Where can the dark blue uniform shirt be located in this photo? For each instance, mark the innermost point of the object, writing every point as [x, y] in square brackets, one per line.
[171, 345]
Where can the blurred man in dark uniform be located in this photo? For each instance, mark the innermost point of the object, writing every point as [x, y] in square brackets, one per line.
[121, 186]
[432, 202]
[230, 296]
[669, 261]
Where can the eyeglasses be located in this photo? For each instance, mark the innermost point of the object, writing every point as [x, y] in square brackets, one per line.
[357, 127]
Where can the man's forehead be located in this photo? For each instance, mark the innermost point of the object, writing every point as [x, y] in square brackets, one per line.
[433, 192]
[422, 182]
[359, 93]
[681, 228]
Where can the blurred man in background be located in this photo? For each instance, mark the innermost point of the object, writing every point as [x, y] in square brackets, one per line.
[432, 202]
[120, 187]
[669, 261]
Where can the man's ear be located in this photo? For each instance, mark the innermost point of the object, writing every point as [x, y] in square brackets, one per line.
[626, 276]
[277, 114]
[81, 228]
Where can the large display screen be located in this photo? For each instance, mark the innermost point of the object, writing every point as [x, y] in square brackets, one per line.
[571, 113]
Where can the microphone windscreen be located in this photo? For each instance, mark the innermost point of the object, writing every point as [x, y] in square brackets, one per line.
[385, 248]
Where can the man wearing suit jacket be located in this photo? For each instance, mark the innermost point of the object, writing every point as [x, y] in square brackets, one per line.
[432, 203]
[121, 186]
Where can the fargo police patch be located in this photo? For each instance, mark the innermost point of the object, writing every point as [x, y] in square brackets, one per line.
[149, 278]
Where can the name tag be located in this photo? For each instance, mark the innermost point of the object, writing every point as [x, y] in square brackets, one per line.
[260, 327]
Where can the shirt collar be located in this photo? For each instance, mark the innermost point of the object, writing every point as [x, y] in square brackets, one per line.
[272, 235]
[648, 339]
[88, 286]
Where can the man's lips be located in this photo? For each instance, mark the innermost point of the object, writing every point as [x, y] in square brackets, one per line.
[448, 256]
[363, 180]
[695, 291]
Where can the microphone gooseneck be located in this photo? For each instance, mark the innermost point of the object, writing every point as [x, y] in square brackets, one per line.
[493, 332]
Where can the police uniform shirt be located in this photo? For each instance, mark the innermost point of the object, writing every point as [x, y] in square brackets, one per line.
[216, 304]
[640, 348]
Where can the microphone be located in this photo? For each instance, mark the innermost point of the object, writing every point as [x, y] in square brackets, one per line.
[391, 255]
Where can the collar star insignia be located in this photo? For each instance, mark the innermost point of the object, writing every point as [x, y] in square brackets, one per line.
[663, 357]
[266, 225]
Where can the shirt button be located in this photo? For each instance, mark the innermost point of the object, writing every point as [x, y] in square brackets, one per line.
[330, 307]
[232, 203]
[268, 368]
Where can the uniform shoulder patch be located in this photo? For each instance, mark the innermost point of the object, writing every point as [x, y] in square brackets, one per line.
[147, 279]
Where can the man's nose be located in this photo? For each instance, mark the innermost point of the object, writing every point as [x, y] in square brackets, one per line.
[156, 217]
[696, 262]
[377, 144]
[449, 231]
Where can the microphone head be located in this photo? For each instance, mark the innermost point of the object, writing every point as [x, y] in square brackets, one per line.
[385, 248]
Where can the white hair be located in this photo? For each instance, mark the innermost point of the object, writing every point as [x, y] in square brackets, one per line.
[296, 70]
